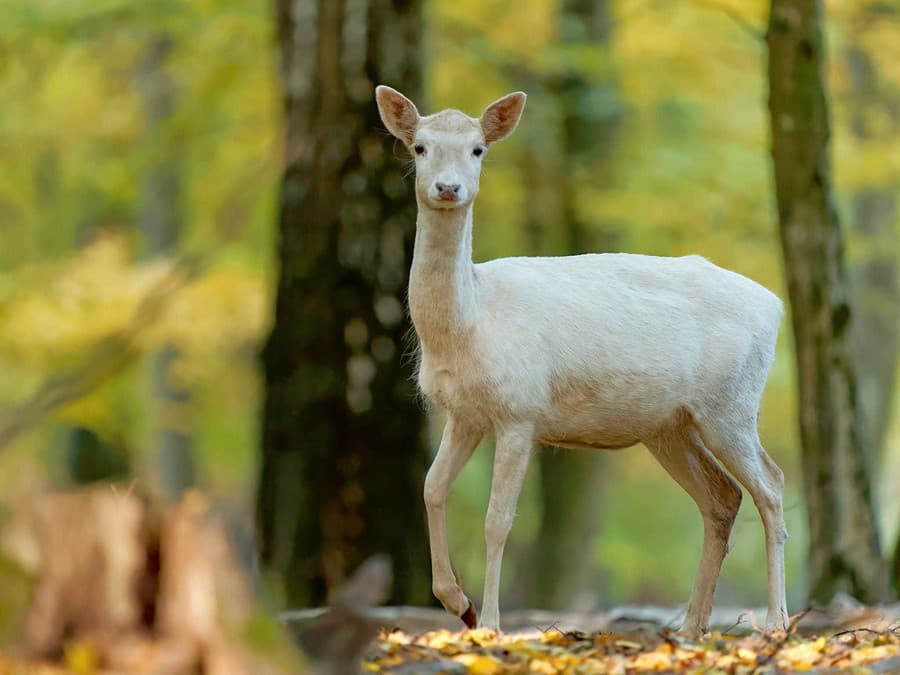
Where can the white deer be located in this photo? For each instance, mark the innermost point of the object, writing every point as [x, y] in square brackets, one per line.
[594, 351]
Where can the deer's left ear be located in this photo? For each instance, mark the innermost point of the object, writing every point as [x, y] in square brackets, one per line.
[397, 112]
[501, 117]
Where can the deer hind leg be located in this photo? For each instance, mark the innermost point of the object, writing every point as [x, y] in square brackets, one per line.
[734, 441]
[457, 445]
[511, 457]
[683, 455]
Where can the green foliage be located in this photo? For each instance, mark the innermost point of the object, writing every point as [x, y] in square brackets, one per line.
[689, 173]
[72, 267]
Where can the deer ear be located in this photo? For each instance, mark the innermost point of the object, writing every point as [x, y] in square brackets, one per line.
[501, 117]
[397, 112]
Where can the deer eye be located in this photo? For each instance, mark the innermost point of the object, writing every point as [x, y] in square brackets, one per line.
[478, 151]
[419, 148]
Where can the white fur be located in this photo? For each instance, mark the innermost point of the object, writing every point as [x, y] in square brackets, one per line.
[590, 351]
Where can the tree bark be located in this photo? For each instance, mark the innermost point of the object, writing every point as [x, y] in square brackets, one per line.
[874, 216]
[160, 222]
[343, 439]
[875, 119]
[565, 573]
[844, 545]
[591, 115]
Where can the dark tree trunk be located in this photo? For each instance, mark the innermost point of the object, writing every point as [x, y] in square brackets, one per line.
[343, 442]
[565, 573]
[844, 548]
[160, 221]
[895, 572]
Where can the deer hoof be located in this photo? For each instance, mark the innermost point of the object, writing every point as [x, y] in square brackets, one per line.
[469, 617]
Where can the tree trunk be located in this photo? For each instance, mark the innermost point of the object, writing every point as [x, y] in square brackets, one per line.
[844, 548]
[88, 457]
[875, 210]
[874, 216]
[160, 221]
[343, 439]
[895, 572]
[565, 572]
[591, 115]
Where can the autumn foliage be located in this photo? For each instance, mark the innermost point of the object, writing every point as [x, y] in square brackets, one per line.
[486, 652]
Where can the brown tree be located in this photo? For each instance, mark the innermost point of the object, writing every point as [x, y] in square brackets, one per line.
[844, 546]
[343, 447]
[873, 217]
[874, 120]
[160, 220]
[571, 482]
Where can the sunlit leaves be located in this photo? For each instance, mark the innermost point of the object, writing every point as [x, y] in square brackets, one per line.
[46, 325]
[65, 311]
[72, 131]
[690, 175]
[67, 81]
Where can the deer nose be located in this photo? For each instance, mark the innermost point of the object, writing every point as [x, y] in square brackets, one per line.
[448, 192]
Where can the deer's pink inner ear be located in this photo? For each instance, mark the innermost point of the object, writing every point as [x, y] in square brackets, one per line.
[501, 117]
[406, 118]
[398, 113]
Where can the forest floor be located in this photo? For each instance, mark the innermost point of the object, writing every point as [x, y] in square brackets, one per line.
[486, 652]
[840, 638]
[120, 588]
[336, 641]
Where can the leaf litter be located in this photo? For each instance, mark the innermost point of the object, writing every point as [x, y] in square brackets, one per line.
[487, 652]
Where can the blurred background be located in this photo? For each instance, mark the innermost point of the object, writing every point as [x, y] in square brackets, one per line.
[173, 301]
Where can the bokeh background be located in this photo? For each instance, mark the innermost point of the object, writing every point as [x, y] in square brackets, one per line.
[137, 135]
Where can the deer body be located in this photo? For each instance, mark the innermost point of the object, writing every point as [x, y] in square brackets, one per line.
[558, 341]
[597, 351]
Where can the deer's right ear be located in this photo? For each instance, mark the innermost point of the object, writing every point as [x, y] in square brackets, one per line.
[397, 112]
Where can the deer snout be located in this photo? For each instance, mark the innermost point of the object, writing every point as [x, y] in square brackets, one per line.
[447, 192]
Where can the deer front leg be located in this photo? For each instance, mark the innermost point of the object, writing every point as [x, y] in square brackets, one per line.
[514, 446]
[457, 445]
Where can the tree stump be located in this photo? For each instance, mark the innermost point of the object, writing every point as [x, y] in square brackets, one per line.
[125, 588]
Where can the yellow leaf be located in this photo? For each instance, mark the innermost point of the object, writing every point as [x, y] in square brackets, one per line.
[541, 666]
[478, 664]
[482, 636]
[440, 639]
[748, 656]
[653, 661]
[802, 656]
[555, 637]
[592, 665]
[81, 658]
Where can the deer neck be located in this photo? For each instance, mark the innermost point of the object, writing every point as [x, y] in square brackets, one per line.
[442, 294]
